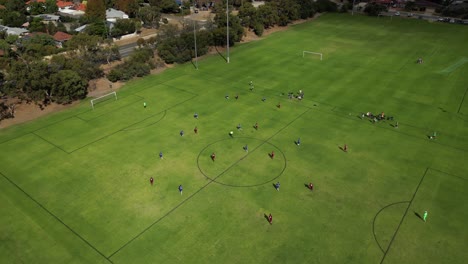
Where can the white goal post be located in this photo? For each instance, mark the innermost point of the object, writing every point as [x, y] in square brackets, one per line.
[311, 52]
[102, 98]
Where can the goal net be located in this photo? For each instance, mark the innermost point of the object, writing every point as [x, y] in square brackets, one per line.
[313, 53]
[103, 98]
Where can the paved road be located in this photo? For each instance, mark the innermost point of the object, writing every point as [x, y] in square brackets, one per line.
[424, 16]
[127, 49]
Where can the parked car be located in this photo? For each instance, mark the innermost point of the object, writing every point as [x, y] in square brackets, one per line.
[397, 14]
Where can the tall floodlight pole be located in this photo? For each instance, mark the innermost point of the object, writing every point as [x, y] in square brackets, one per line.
[195, 39]
[352, 10]
[227, 27]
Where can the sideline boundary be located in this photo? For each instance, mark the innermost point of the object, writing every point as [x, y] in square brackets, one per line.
[55, 217]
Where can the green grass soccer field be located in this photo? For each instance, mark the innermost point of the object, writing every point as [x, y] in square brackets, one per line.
[74, 186]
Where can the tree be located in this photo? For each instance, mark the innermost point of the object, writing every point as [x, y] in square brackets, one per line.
[150, 16]
[14, 14]
[374, 9]
[28, 79]
[128, 6]
[13, 18]
[95, 10]
[236, 31]
[36, 25]
[83, 43]
[37, 46]
[267, 15]
[66, 86]
[110, 52]
[36, 8]
[16, 5]
[98, 28]
[168, 6]
[124, 26]
[248, 15]
[325, 6]
[306, 9]
[410, 5]
[288, 10]
[82, 65]
[51, 7]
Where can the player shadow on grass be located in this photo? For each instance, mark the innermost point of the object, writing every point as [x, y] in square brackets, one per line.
[306, 185]
[418, 215]
[342, 149]
[266, 217]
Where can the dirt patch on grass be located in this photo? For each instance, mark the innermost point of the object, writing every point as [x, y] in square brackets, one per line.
[29, 111]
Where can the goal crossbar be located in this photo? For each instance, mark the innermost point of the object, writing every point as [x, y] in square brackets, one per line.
[311, 52]
[101, 97]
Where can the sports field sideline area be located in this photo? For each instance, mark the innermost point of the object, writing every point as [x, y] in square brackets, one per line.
[75, 186]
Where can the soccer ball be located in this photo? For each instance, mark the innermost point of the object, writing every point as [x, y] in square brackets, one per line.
[230, 133]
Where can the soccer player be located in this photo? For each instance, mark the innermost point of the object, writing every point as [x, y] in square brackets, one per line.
[256, 126]
[195, 130]
[264, 99]
[425, 216]
[151, 181]
[311, 186]
[144, 104]
[279, 105]
[181, 133]
[239, 127]
[213, 156]
[272, 155]
[396, 125]
[246, 148]
[270, 219]
[160, 155]
[180, 189]
[251, 86]
[195, 115]
[277, 186]
[345, 148]
[299, 141]
[237, 96]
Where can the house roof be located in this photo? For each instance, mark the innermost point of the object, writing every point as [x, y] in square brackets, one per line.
[426, 3]
[37, 1]
[81, 7]
[62, 36]
[62, 4]
[114, 13]
[48, 17]
[79, 29]
[13, 30]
